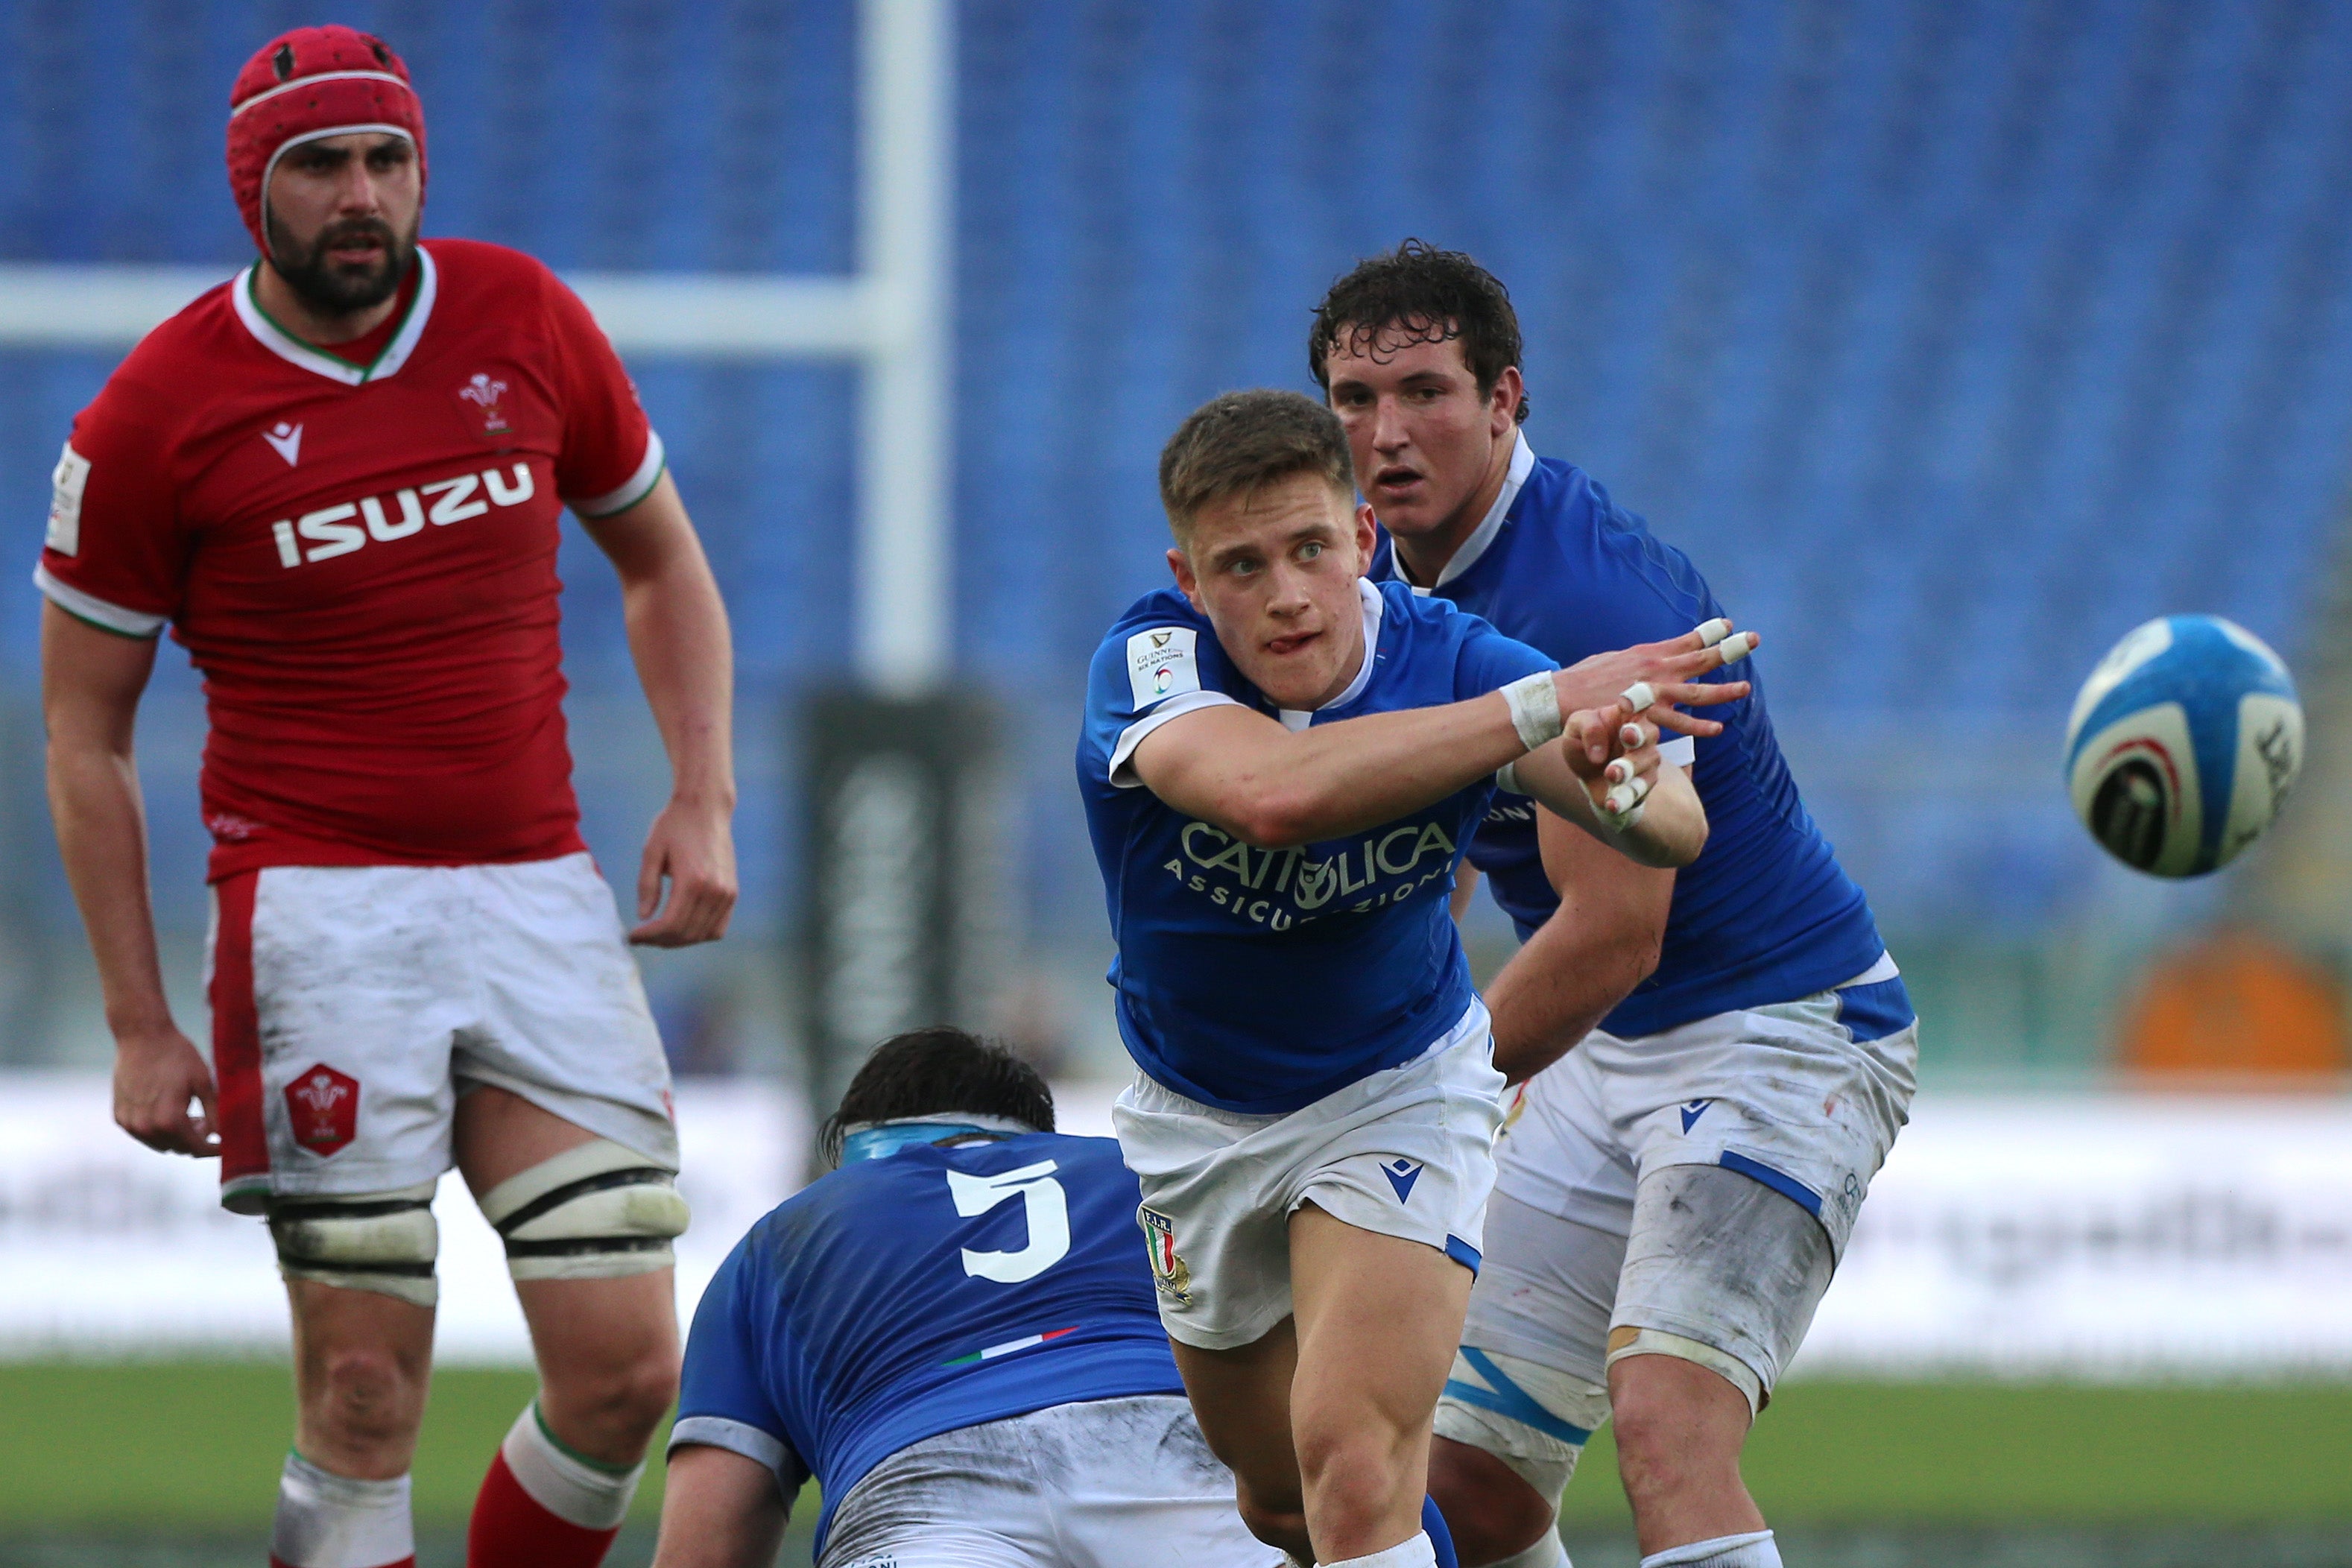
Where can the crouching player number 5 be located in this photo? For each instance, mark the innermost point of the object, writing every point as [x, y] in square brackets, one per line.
[953, 1336]
[1280, 764]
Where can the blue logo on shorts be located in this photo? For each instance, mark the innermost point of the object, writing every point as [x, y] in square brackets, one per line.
[1401, 1176]
[1693, 1111]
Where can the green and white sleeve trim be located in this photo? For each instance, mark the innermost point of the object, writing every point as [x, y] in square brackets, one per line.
[83, 606]
[630, 491]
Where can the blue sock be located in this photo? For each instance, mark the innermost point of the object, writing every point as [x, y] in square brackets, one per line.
[1441, 1540]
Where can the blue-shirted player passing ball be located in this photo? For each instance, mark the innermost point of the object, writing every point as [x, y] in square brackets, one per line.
[1670, 1197]
[954, 1334]
[1280, 764]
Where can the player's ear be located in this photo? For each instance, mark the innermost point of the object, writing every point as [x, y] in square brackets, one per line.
[1180, 564]
[1367, 534]
[1503, 403]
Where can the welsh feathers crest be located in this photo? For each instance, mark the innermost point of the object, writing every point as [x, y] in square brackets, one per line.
[322, 1107]
[321, 1091]
[486, 392]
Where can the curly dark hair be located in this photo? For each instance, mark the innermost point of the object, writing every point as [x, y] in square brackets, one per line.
[934, 1071]
[1420, 294]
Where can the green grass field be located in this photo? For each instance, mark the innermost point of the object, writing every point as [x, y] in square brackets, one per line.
[153, 1448]
[198, 1444]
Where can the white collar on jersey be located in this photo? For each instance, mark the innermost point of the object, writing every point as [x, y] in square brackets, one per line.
[1523, 463]
[1369, 597]
[294, 350]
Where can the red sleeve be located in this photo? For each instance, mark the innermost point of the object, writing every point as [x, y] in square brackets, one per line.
[116, 554]
[611, 455]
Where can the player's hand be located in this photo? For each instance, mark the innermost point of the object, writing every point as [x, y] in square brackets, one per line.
[156, 1073]
[1615, 757]
[692, 848]
[1608, 745]
[1669, 670]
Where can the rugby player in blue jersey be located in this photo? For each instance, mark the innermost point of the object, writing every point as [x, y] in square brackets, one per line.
[1672, 1197]
[1279, 763]
[954, 1334]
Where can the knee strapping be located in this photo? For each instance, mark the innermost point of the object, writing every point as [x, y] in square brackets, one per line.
[596, 1212]
[384, 1242]
[1536, 1419]
[1626, 1340]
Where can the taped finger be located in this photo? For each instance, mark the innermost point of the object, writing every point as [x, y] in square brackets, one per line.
[1638, 697]
[1735, 647]
[1710, 633]
[1625, 797]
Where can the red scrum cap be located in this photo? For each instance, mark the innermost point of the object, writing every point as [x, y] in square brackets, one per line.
[309, 83]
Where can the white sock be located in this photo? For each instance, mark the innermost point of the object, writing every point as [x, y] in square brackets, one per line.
[1753, 1549]
[1414, 1553]
[575, 1489]
[1546, 1553]
[334, 1521]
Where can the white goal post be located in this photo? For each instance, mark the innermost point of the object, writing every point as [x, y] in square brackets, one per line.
[894, 318]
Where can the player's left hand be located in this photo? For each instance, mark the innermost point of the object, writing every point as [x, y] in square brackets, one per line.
[1614, 753]
[692, 848]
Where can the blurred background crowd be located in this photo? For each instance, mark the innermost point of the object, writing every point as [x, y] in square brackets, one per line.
[1951, 338]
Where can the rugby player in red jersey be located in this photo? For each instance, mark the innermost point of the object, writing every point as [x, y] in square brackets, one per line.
[338, 478]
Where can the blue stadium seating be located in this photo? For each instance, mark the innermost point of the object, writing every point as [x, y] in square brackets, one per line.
[1953, 337]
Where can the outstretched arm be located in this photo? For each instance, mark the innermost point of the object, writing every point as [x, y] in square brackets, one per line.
[720, 1510]
[91, 680]
[1273, 787]
[678, 636]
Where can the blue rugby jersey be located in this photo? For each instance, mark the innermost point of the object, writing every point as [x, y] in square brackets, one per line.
[1260, 980]
[1765, 914]
[936, 1288]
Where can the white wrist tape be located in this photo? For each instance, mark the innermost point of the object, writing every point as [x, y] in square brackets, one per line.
[1535, 708]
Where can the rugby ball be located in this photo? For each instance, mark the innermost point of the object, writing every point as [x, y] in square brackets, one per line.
[2183, 744]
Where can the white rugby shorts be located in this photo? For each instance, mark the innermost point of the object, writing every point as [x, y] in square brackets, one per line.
[1108, 1483]
[1408, 1152]
[353, 1004]
[1601, 1227]
[1785, 1094]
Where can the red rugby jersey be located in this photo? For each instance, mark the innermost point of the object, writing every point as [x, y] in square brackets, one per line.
[361, 559]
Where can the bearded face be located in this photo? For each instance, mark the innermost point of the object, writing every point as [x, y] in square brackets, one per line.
[342, 212]
[352, 264]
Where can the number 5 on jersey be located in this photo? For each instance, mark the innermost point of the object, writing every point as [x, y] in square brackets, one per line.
[1048, 1212]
